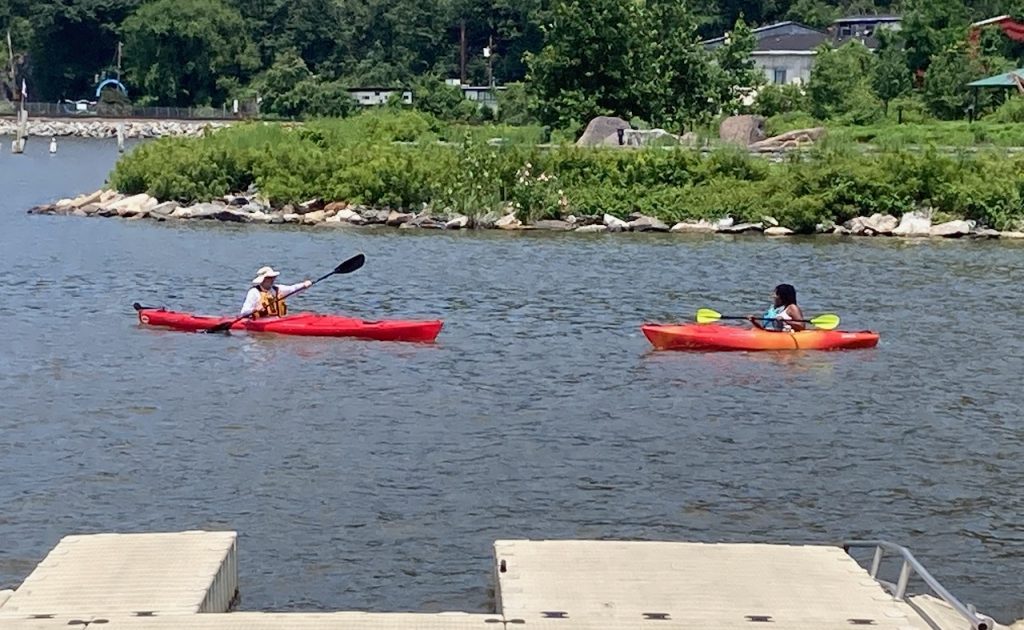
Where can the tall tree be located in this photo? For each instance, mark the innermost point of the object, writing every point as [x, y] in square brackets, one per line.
[184, 52]
[585, 68]
[675, 80]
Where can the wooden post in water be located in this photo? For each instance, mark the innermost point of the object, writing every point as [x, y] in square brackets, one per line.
[120, 137]
[18, 144]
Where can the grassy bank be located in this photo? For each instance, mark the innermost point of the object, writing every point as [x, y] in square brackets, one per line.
[393, 160]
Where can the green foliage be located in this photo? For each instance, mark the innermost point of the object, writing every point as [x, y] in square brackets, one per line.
[358, 159]
[1011, 111]
[840, 84]
[945, 87]
[773, 100]
[435, 97]
[516, 106]
[586, 66]
[891, 78]
[179, 52]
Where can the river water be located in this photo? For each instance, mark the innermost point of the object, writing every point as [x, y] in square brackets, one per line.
[375, 476]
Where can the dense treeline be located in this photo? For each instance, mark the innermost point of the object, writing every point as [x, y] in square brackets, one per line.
[574, 58]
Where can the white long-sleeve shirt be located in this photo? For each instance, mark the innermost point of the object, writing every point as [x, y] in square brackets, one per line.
[252, 298]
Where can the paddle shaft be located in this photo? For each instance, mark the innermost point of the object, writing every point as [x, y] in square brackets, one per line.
[747, 319]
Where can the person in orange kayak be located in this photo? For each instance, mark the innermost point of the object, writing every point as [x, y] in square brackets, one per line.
[784, 313]
[266, 299]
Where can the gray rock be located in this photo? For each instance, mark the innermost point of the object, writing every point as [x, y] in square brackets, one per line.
[952, 229]
[373, 215]
[90, 209]
[694, 227]
[856, 225]
[310, 206]
[740, 228]
[508, 222]
[648, 224]
[594, 228]
[165, 209]
[552, 224]
[458, 223]
[986, 233]
[487, 220]
[913, 224]
[615, 224]
[314, 217]
[78, 212]
[291, 217]
[824, 228]
[396, 218]
[881, 223]
[840, 230]
[1011, 234]
[776, 230]
[206, 210]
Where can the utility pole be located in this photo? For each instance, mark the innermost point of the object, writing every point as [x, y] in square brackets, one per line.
[489, 56]
[462, 52]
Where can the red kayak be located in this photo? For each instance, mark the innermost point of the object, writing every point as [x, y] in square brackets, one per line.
[717, 337]
[304, 324]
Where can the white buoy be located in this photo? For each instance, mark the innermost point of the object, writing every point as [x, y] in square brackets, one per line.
[53, 145]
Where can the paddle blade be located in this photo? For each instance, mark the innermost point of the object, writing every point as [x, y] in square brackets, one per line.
[351, 264]
[219, 328]
[707, 316]
[828, 321]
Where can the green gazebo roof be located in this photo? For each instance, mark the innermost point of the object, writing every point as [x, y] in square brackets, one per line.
[1004, 80]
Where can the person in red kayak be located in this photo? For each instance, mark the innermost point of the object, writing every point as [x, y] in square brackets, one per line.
[266, 299]
[783, 312]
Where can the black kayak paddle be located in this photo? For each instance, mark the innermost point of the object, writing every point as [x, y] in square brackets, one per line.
[350, 265]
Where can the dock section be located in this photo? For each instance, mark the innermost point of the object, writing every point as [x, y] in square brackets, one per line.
[605, 584]
[134, 574]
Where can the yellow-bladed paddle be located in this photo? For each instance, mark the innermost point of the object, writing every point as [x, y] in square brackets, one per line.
[827, 321]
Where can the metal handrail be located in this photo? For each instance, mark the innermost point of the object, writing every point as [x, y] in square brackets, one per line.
[899, 590]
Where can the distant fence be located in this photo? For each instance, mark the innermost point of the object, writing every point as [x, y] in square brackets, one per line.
[77, 110]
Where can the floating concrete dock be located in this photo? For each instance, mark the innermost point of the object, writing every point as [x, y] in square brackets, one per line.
[188, 580]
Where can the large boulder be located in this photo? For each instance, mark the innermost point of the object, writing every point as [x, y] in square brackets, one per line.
[881, 223]
[701, 226]
[913, 224]
[742, 130]
[396, 218]
[952, 229]
[648, 224]
[615, 224]
[508, 222]
[789, 140]
[603, 130]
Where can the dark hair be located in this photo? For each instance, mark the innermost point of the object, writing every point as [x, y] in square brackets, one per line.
[786, 293]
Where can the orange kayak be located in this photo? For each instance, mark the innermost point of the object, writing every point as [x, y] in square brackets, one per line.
[717, 337]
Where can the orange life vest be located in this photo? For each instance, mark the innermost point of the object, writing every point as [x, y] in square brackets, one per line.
[270, 304]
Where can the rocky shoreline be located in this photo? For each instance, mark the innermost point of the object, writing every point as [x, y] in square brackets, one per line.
[251, 208]
[109, 128]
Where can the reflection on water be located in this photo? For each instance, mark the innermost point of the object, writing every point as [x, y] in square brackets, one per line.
[376, 476]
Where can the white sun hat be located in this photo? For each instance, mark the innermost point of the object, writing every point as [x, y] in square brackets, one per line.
[264, 272]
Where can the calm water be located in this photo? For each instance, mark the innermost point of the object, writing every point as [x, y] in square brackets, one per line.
[376, 476]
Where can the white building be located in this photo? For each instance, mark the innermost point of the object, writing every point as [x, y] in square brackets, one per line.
[378, 95]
